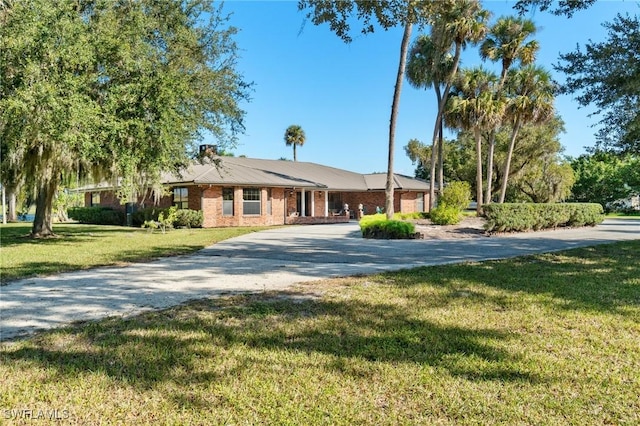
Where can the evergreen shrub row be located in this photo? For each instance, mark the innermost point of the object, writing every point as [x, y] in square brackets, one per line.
[96, 215]
[108, 216]
[518, 217]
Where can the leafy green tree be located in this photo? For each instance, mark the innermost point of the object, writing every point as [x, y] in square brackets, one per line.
[561, 7]
[114, 89]
[294, 135]
[548, 180]
[538, 148]
[603, 177]
[530, 92]
[458, 164]
[606, 75]
[47, 112]
[419, 154]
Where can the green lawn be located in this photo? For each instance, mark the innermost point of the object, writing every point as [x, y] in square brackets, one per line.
[548, 339]
[86, 246]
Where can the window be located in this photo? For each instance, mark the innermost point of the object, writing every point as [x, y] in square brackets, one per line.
[181, 198]
[335, 202]
[227, 201]
[420, 201]
[95, 199]
[251, 201]
[269, 202]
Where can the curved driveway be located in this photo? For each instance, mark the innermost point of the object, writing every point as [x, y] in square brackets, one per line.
[262, 261]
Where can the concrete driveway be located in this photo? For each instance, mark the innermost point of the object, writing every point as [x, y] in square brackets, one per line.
[263, 261]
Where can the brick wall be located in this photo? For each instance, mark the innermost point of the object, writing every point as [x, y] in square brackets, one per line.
[211, 202]
[403, 201]
[283, 203]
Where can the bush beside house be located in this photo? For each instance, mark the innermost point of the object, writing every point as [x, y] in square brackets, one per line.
[97, 215]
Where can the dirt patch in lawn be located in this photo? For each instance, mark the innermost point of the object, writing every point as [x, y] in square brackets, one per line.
[469, 227]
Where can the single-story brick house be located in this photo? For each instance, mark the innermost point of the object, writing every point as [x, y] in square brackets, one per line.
[239, 191]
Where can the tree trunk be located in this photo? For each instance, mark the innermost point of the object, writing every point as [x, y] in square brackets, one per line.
[295, 158]
[42, 224]
[12, 214]
[507, 163]
[478, 137]
[432, 170]
[441, 157]
[437, 129]
[404, 46]
[436, 155]
[492, 145]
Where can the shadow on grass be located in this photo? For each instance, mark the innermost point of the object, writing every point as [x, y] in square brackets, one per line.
[187, 344]
[28, 270]
[16, 234]
[605, 278]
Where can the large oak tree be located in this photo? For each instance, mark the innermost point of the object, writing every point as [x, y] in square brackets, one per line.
[120, 88]
[607, 75]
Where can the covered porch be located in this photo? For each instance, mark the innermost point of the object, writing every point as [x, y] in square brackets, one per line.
[310, 206]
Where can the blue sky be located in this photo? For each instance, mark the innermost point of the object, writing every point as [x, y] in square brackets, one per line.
[341, 93]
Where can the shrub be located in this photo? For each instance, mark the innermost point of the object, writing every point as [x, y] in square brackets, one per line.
[445, 214]
[528, 216]
[409, 216]
[388, 229]
[377, 226]
[188, 219]
[456, 194]
[183, 218]
[97, 215]
[139, 217]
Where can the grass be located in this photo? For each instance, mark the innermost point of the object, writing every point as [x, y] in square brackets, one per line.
[87, 246]
[547, 339]
[635, 215]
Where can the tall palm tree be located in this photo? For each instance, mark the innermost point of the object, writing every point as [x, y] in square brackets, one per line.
[427, 67]
[458, 24]
[507, 43]
[531, 95]
[473, 106]
[294, 135]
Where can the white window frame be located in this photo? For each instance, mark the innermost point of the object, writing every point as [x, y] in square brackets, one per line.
[227, 203]
[251, 201]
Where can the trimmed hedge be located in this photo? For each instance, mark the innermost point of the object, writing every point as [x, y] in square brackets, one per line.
[96, 215]
[377, 226]
[519, 217]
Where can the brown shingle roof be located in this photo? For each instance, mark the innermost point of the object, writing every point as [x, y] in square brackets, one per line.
[252, 171]
[237, 171]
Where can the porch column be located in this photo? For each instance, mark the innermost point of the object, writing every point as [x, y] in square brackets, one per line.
[313, 203]
[303, 213]
[326, 203]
